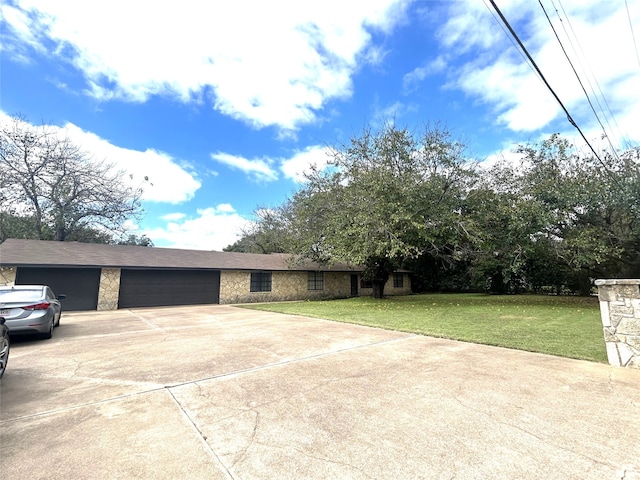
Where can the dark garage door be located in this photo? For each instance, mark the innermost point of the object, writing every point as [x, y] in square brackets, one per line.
[155, 288]
[80, 285]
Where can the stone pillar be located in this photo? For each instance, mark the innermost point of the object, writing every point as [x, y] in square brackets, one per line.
[8, 276]
[620, 313]
[109, 289]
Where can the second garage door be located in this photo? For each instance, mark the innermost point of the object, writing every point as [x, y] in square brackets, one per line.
[155, 288]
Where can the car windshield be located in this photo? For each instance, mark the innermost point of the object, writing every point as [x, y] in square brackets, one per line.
[12, 296]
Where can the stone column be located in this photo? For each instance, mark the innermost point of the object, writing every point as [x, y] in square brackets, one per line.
[620, 313]
[8, 275]
[109, 289]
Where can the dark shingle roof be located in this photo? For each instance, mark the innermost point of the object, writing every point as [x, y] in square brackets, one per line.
[41, 253]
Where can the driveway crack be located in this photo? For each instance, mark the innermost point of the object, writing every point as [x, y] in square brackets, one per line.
[203, 438]
[241, 454]
[537, 437]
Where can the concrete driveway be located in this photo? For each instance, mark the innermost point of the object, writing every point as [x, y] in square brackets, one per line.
[218, 392]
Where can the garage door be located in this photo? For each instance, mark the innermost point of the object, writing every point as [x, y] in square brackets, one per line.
[154, 288]
[80, 285]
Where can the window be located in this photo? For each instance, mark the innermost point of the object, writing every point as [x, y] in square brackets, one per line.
[398, 280]
[315, 281]
[260, 282]
[366, 283]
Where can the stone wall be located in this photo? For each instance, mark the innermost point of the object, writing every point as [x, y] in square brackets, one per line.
[109, 289]
[8, 275]
[292, 285]
[285, 286]
[620, 313]
[389, 289]
[235, 285]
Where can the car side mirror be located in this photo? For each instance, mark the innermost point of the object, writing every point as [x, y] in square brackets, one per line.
[61, 297]
[2, 320]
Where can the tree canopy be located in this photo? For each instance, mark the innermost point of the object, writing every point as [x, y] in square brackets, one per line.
[390, 199]
[52, 189]
[385, 197]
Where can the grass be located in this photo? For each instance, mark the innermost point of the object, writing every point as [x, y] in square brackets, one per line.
[563, 326]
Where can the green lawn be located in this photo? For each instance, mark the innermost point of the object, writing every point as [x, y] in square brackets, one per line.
[564, 326]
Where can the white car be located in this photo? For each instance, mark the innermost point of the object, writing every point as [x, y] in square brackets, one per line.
[30, 309]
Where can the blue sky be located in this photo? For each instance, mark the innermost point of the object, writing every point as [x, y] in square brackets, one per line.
[224, 104]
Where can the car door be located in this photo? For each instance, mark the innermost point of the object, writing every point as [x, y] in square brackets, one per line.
[55, 303]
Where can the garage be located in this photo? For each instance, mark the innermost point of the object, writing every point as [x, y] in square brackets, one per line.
[155, 288]
[80, 285]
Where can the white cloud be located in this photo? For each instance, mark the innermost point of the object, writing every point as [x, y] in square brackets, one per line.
[173, 217]
[225, 208]
[302, 161]
[390, 114]
[167, 182]
[259, 169]
[265, 170]
[510, 156]
[133, 50]
[20, 24]
[212, 229]
[597, 38]
[411, 80]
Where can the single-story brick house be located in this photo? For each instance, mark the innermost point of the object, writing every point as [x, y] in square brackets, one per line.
[107, 277]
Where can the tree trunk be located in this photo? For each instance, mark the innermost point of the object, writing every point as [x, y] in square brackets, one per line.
[378, 271]
[378, 288]
[61, 233]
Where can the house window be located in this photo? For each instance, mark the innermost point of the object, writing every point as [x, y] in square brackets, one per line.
[366, 283]
[398, 280]
[315, 281]
[260, 281]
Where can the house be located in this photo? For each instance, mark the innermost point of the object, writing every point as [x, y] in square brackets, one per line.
[106, 277]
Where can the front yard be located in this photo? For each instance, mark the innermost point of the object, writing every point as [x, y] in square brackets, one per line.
[563, 326]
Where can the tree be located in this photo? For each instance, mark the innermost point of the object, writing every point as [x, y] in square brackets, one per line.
[60, 188]
[13, 226]
[267, 234]
[141, 241]
[385, 197]
[593, 207]
[16, 226]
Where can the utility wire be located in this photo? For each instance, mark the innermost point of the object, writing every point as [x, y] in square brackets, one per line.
[535, 65]
[623, 136]
[579, 80]
[508, 36]
[632, 34]
[590, 74]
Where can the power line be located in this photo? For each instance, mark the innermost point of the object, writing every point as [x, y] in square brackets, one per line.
[632, 33]
[590, 75]
[579, 79]
[508, 36]
[535, 65]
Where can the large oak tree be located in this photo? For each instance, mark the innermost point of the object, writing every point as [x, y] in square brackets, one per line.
[385, 197]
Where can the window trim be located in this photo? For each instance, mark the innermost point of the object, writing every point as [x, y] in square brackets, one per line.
[315, 281]
[398, 280]
[260, 282]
